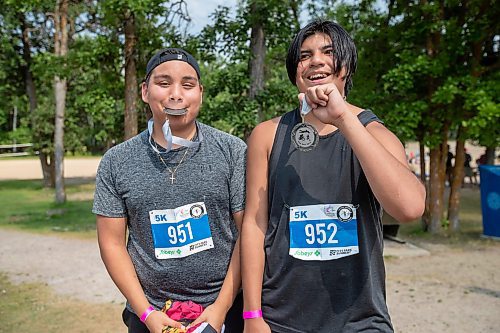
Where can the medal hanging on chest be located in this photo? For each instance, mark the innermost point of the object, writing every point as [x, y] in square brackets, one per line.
[304, 136]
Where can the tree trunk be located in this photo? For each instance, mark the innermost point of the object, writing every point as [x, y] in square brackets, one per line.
[437, 163]
[426, 216]
[436, 189]
[131, 89]
[457, 177]
[490, 155]
[258, 57]
[60, 86]
[26, 68]
[48, 169]
[45, 161]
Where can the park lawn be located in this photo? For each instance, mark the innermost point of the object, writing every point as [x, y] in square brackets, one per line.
[33, 307]
[27, 205]
[471, 223]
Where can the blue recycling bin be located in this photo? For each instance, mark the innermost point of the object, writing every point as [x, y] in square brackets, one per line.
[490, 199]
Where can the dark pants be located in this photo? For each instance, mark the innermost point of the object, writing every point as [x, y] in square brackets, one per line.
[233, 323]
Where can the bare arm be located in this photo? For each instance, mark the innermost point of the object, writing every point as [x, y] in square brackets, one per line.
[256, 221]
[216, 313]
[111, 234]
[379, 151]
[232, 282]
[383, 160]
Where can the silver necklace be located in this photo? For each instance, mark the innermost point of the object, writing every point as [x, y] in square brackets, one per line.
[172, 172]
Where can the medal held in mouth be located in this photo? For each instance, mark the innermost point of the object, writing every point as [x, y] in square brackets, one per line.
[304, 136]
[175, 112]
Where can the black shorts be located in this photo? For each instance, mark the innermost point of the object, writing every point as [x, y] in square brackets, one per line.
[233, 322]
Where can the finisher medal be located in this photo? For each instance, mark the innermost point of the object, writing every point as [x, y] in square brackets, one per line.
[175, 112]
[304, 136]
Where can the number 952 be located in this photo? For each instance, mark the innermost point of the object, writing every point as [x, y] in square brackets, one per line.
[319, 232]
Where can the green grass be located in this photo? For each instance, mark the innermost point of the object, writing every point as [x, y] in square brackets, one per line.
[26, 205]
[33, 308]
[471, 223]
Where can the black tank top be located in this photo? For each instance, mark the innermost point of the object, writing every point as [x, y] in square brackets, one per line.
[340, 295]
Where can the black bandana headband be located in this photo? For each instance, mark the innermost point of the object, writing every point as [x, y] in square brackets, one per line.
[169, 54]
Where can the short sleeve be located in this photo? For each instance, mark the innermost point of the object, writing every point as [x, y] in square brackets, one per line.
[107, 200]
[237, 181]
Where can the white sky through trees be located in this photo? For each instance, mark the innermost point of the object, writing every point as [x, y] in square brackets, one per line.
[200, 10]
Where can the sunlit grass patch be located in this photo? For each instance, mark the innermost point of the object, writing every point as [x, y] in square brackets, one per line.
[33, 307]
[27, 205]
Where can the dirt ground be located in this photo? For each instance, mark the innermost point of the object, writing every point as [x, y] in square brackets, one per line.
[430, 287]
[448, 290]
[29, 168]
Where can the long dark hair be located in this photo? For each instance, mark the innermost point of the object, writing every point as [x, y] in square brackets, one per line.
[344, 50]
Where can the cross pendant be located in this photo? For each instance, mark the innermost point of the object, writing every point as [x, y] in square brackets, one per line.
[172, 178]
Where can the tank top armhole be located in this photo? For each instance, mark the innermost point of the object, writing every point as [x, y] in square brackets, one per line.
[281, 131]
[367, 116]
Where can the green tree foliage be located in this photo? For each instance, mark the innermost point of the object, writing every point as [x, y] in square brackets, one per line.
[224, 47]
[12, 87]
[94, 69]
[430, 70]
[157, 24]
[95, 109]
[371, 25]
[484, 99]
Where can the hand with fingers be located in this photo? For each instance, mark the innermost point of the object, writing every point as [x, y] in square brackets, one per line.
[158, 320]
[213, 315]
[326, 102]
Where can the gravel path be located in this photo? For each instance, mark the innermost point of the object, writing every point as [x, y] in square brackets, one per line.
[449, 290]
[431, 288]
[437, 289]
[71, 267]
[30, 168]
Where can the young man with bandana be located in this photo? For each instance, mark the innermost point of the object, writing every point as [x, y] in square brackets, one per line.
[317, 180]
[178, 188]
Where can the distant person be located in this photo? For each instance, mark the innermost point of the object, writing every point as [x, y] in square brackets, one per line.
[317, 179]
[449, 165]
[412, 162]
[178, 189]
[482, 160]
[468, 172]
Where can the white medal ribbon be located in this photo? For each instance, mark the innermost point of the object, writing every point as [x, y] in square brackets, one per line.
[305, 107]
[171, 139]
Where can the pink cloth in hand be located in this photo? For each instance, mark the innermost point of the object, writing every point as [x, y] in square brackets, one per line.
[180, 311]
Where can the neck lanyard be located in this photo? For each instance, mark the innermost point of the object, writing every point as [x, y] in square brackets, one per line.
[171, 139]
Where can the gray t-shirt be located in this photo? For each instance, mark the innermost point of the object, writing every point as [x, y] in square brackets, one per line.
[132, 181]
